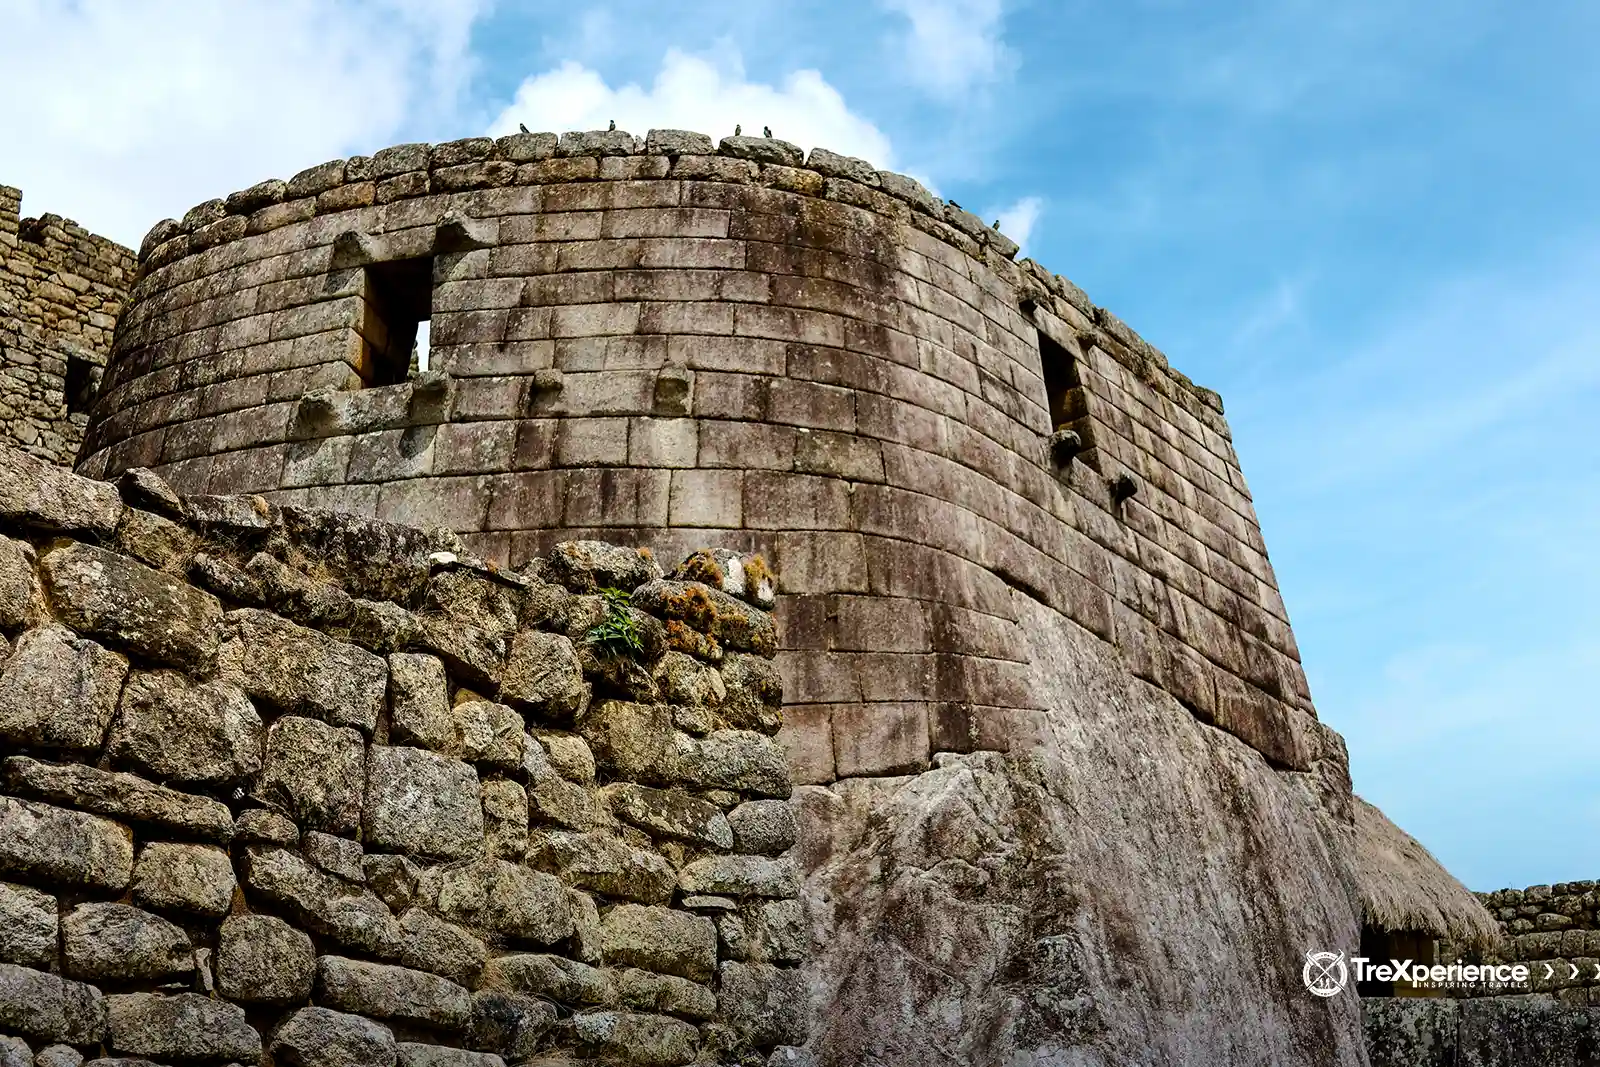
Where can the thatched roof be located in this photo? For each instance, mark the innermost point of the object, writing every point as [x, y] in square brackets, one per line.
[1404, 888]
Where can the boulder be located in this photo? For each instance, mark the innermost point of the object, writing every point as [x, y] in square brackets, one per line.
[605, 864]
[130, 606]
[188, 879]
[176, 731]
[322, 1037]
[764, 827]
[419, 702]
[544, 676]
[347, 915]
[184, 1027]
[41, 495]
[316, 773]
[487, 733]
[753, 691]
[304, 672]
[398, 994]
[764, 1004]
[509, 1024]
[19, 586]
[664, 994]
[569, 756]
[54, 845]
[120, 943]
[659, 939]
[562, 980]
[731, 622]
[588, 566]
[263, 960]
[739, 760]
[339, 856]
[635, 1040]
[412, 1054]
[59, 691]
[741, 876]
[42, 1005]
[28, 926]
[421, 803]
[505, 818]
[668, 813]
[121, 796]
[432, 944]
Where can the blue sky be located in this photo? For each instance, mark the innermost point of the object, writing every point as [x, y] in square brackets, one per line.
[1372, 226]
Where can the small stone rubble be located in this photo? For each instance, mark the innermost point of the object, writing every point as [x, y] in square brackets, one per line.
[288, 786]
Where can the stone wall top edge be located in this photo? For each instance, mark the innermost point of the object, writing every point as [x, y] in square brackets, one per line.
[76, 233]
[482, 162]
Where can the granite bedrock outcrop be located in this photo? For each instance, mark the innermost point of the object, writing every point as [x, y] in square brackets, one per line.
[1063, 795]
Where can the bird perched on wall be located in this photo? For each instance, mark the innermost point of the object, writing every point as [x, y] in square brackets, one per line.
[736, 129]
[766, 131]
[996, 225]
[611, 127]
[523, 127]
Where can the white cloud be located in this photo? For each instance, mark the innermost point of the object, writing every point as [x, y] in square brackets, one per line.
[142, 108]
[1018, 220]
[952, 45]
[691, 93]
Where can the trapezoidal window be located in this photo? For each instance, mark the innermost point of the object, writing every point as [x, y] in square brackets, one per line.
[1061, 383]
[397, 304]
[80, 384]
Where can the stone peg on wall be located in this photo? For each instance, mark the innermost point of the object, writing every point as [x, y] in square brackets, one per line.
[1064, 446]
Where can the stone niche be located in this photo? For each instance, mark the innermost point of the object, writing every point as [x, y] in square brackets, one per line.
[276, 782]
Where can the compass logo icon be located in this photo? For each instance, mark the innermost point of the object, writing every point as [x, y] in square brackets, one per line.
[1325, 973]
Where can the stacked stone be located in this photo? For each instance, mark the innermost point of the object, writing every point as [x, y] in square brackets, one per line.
[1558, 925]
[61, 290]
[282, 785]
[670, 340]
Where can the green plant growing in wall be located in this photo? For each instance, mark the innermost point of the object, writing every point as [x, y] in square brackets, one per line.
[617, 634]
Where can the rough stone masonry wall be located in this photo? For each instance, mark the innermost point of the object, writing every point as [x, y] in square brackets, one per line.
[669, 341]
[285, 786]
[61, 289]
[1557, 925]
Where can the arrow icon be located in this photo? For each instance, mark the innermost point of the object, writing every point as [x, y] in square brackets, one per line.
[1574, 973]
[1597, 972]
[1549, 972]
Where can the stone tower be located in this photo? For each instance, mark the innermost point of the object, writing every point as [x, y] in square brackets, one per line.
[1038, 678]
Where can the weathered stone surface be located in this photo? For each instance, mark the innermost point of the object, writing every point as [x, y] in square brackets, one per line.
[184, 1027]
[315, 772]
[506, 899]
[176, 731]
[632, 742]
[115, 941]
[130, 606]
[664, 995]
[682, 679]
[488, 733]
[44, 496]
[398, 994]
[553, 799]
[432, 944]
[260, 826]
[505, 818]
[605, 864]
[59, 691]
[52, 845]
[263, 960]
[190, 879]
[57, 1056]
[659, 939]
[14, 1052]
[740, 760]
[589, 566]
[543, 675]
[741, 876]
[27, 926]
[569, 756]
[19, 586]
[421, 803]
[339, 856]
[562, 980]
[415, 1055]
[638, 1040]
[121, 796]
[322, 1037]
[154, 540]
[55, 1009]
[754, 693]
[1424, 1032]
[393, 878]
[349, 916]
[764, 827]
[509, 1024]
[419, 702]
[765, 1004]
[670, 814]
[304, 672]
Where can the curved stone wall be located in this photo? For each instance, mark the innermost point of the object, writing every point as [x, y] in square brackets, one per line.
[292, 787]
[667, 341]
